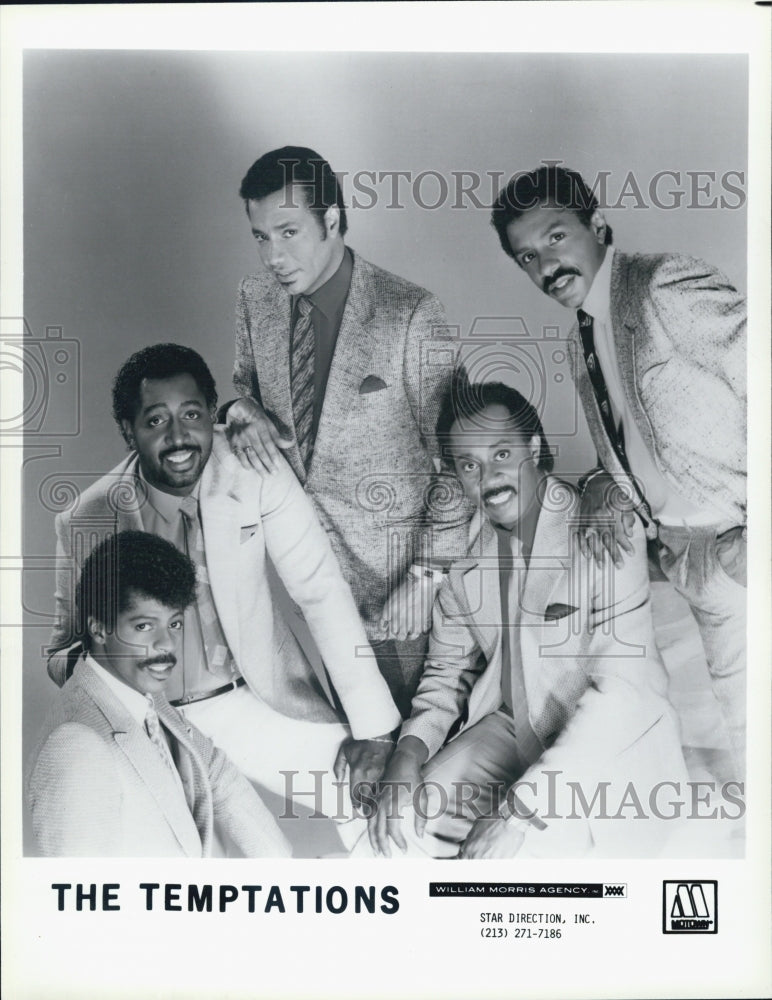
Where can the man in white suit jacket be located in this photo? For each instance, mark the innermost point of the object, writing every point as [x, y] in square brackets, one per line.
[117, 771]
[252, 689]
[659, 363]
[542, 675]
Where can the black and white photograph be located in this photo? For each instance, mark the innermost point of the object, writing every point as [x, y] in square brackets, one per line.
[379, 516]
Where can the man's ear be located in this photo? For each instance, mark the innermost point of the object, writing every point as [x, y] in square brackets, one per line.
[332, 220]
[534, 447]
[96, 631]
[598, 226]
[128, 434]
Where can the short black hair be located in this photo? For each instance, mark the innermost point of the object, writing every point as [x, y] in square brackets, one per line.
[465, 399]
[158, 361]
[547, 184]
[298, 165]
[129, 563]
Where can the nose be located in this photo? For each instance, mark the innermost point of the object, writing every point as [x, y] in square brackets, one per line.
[177, 432]
[166, 640]
[273, 253]
[547, 263]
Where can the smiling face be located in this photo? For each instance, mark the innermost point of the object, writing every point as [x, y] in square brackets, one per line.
[497, 466]
[142, 649]
[293, 246]
[172, 433]
[558, 251]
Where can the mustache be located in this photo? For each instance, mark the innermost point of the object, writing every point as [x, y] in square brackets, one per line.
[162, 660]
[562, 272]
[494, 491]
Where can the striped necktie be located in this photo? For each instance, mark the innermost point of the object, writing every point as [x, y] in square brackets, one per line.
[302, 379]
[153, 729]
[600, 389]
[218, 656]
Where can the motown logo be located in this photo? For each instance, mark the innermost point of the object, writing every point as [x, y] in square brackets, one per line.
[690, 907]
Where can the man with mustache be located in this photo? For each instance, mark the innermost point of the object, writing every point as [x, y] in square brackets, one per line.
[659, 364]
[244, 681]
[542, 669]
[118, 771]
[339, 366]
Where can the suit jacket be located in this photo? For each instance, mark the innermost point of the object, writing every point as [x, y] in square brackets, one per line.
[594, 682]
[246, 517]
[98, 787]
[679, 333]
[372, 478]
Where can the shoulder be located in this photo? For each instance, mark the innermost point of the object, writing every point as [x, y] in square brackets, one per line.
[388, 286]
[661, 272]
[113, 491]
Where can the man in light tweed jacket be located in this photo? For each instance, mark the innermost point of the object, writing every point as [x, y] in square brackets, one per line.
[659, 365]
[542, 671]
[118, 771]
[350, 399]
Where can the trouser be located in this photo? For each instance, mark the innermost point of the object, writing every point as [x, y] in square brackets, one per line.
[292, 758]
[689, 559]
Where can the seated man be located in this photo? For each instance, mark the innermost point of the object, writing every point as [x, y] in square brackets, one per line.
[245, 681]
[118, 771]
[542, 684]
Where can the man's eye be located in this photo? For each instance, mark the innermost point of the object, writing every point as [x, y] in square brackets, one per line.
[260, 237]
[176, 625]
[290, 232]
[467, 467]
[154, 421]
[526, 258]
[557, 237]
[193, 415]
[503, 455]
[143, 626]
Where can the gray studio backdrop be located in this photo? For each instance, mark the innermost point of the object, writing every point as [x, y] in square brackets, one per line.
[134, 233]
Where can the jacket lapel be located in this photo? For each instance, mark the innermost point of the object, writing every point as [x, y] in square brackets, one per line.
[273, 349]
[193, 774]
[624, 299]
[221, 521]
[351, 358]
[142, 755]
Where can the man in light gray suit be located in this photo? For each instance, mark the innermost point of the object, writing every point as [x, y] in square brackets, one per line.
[659, 365]
[340, 365]
[118, 771]
[244, 680]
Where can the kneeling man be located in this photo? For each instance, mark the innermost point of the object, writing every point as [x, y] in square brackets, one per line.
[543, 691]
[118, 771]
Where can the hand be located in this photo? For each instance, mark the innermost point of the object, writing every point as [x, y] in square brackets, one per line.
[607, 519]
[254, 438]
[493, 838]
[402, 793]
[407, 613]
[365, 761]
[732, 554]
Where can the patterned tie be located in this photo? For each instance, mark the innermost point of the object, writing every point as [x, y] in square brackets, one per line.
[153, 728]
[302, 378]
[513, 691]
[598, 382]
[218, 656]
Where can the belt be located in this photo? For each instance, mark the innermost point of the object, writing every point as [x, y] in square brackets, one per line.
[190, 699]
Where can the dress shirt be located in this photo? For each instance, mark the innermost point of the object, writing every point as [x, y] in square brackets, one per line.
[329, 302]
[666, 505]
[161, 516]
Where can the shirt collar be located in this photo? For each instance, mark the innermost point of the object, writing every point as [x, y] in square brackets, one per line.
[598, 300]
[166, 505]
[134, 702]
[330, 297]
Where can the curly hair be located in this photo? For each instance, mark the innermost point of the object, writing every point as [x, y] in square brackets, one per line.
[124, 565]
[299, 165]
[465, 399]
[547, 184]
[159, 361]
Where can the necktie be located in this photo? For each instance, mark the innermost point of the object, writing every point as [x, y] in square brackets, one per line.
[153, 728]
[302, 379]
[513, 691]
[218, 657]
[598, 382]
